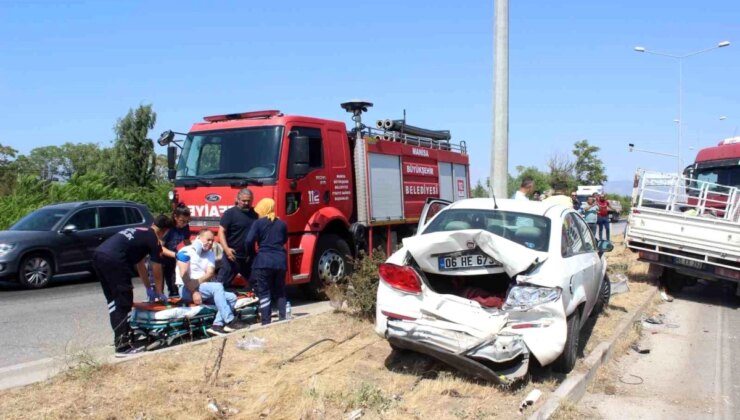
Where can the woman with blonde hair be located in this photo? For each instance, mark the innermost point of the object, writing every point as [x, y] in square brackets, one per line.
[270, 261]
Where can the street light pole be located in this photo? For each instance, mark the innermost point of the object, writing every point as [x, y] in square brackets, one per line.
[500, 141]
[680, 59]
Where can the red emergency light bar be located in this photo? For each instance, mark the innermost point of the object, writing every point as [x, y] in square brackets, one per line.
[243, 116]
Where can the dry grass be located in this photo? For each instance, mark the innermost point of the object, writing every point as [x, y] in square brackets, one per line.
[329, 381]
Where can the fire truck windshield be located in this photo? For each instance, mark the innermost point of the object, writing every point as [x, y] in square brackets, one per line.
[247, 153]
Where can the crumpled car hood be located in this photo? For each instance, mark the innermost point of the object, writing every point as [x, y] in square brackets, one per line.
[515, 258]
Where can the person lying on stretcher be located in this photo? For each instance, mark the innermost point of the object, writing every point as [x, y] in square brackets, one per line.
[195, 268]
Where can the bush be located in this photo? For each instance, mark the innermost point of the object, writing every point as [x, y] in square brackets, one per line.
[32, 193]
[360, 289]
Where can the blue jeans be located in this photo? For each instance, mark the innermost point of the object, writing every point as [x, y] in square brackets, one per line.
[603, 222]
[214, 294]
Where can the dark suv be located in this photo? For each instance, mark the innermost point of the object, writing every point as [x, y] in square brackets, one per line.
[61, 238]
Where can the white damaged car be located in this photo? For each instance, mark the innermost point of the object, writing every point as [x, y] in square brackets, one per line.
[486, 286]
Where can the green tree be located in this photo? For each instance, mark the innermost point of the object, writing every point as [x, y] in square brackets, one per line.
[561, 171]
[135, 160]
[8, 169]
[589, 169]
[541, 181]
[479, 191]
[60, 163]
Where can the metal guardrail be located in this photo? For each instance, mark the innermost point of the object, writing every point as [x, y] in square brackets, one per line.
[689, 197]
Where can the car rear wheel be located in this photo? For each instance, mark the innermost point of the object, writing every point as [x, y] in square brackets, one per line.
[567, 359]
[35, 271]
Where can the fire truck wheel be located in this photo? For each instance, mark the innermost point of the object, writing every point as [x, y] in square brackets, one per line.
[333, 262]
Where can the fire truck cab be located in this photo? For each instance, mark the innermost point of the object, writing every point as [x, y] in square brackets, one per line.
[338, 191]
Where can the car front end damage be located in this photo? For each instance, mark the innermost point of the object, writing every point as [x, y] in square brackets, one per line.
[492, 343]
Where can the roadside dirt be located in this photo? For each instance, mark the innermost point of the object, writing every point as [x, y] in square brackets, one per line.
[328, 381]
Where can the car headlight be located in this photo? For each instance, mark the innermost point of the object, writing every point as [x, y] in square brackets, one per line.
[523, 298]
[5, 248]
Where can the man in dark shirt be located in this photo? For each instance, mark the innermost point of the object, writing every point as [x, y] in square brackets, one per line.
[232, 232]
[113, 261]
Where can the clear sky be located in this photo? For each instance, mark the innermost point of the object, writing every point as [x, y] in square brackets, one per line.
[69, 69]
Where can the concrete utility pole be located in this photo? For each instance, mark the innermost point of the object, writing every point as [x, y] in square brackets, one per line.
[500, 144]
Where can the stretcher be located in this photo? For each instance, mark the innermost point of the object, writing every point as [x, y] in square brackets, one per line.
[156, 325]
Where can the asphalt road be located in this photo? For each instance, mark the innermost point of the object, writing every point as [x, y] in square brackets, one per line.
[693, 364]
[63, 319]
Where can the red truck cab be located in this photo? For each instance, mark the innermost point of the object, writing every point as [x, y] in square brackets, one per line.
[714, 169]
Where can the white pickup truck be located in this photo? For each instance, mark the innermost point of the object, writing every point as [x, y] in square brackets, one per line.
[686, 229]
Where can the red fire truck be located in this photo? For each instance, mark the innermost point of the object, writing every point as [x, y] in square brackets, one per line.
[339, 191]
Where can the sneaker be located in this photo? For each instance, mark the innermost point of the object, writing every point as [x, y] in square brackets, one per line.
[235, 325]
[665, 296]
[217, 330]
[129, 350]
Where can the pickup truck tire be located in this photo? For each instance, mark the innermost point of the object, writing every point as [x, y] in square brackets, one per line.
[604, 294]
[332, 262]
[672, 281]
[567, 359]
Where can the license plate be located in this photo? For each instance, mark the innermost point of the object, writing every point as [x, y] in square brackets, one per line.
[463, 262]
[688, 263]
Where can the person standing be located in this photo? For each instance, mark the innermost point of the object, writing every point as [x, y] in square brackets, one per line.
[113, 261]
[603, 217]
[270, 234]
[558, 196]
[525, 188]
[576, 202]
[179, 233]
[196, 265]
[233, 229]
[590, 214]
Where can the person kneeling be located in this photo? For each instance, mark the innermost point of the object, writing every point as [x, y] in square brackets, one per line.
[195, 268]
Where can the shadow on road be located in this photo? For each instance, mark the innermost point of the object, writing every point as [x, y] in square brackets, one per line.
[57, 281]
[712, 293]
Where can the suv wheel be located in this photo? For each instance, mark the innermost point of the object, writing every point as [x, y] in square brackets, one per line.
[35, 271]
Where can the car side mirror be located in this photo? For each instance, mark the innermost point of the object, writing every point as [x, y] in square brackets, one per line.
[299, 156]
[605, 246]
[166, 138]
[69, 229]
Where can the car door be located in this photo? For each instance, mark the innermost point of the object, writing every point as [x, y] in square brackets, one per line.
[589, 250]
[577, 263]
[431, 208]
[74, 254]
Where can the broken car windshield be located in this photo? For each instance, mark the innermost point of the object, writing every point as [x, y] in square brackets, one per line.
[226, 154]
[525, 229]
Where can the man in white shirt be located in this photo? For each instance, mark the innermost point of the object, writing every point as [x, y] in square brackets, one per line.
[196, 266]
[525, 188]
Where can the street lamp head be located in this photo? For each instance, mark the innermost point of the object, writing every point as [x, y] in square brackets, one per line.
[632, 146]
[722, 118]
[640, 49]
[723, 44]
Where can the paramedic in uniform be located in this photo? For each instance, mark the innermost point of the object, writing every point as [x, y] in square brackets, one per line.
[270, 234]
[195, 268]
[113, 261]
[234, 225]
